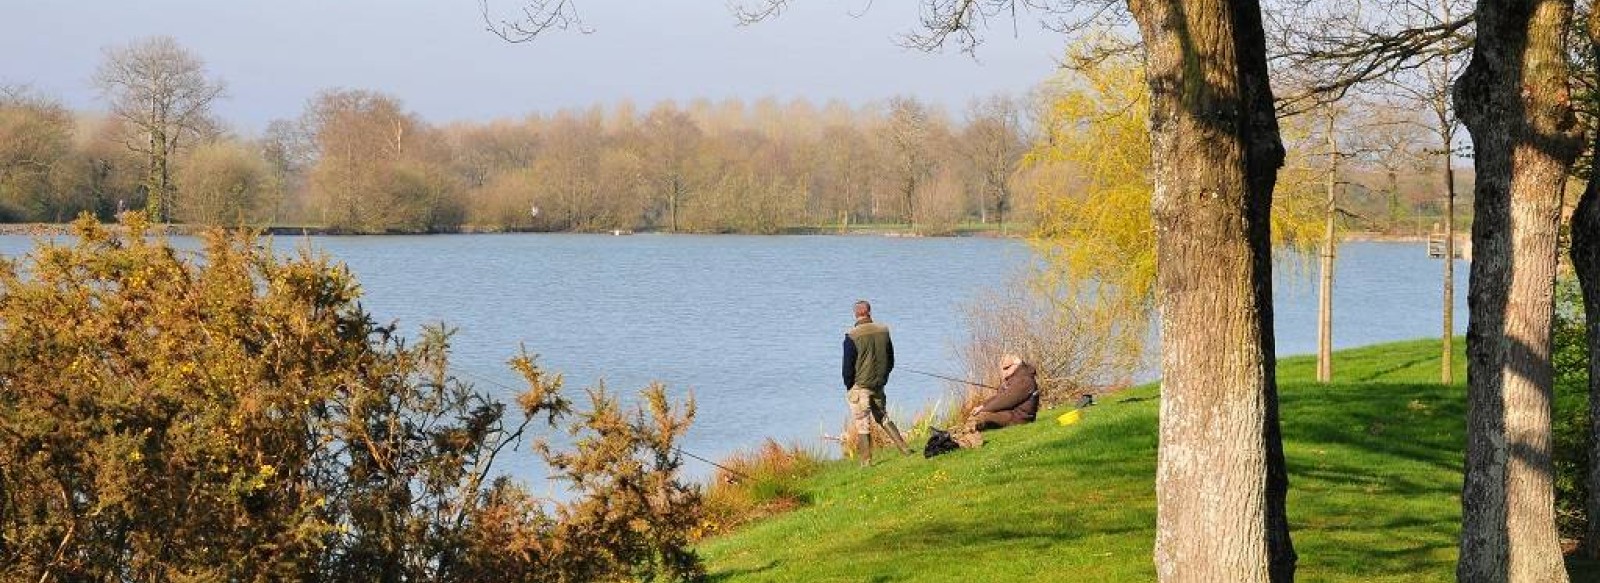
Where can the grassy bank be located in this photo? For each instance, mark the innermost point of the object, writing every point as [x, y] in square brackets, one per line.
[1375, 471]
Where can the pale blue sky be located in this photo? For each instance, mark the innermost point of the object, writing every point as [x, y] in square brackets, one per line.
[436, 56]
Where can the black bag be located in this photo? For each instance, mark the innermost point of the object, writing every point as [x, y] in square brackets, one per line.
[939, 442]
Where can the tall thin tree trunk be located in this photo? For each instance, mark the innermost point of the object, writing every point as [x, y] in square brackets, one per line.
[1000, 209]
[1514, 99]
[1447, 357]
[1329, 253]
[1447, 132]
[1220, 481]
[156, 183]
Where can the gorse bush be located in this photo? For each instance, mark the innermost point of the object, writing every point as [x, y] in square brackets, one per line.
[236, 416]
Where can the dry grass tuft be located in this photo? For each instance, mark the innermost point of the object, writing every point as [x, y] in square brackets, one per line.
[763, 482]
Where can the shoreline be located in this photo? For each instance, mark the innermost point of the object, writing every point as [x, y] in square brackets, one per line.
[179, 229]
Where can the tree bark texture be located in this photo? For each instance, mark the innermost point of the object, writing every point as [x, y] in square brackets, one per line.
[1514, 99]
[1220, 480]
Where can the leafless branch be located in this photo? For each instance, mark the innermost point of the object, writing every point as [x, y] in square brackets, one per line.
[749, 14]
[1332, 53]
[538, 17]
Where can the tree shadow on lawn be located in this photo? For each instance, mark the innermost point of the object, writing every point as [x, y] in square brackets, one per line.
[1420, 423]
[1396, 368]
[1041, 533]
[731, 573]
[1374, 471]
[1034, 530]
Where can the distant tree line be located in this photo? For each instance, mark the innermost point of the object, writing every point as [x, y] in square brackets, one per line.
[359, 161]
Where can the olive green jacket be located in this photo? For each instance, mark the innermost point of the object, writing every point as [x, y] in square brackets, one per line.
[868, 355]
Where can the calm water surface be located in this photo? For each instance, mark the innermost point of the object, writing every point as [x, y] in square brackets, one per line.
[752, 326]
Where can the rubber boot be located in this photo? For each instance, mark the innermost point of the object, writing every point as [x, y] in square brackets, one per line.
[895, 437]
[864, 449]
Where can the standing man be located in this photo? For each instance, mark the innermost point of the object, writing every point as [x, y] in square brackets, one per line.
[868, 358]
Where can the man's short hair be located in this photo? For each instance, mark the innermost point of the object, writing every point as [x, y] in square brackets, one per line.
[864, 306]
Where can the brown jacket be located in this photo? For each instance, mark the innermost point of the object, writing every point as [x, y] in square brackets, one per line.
[1019, 394]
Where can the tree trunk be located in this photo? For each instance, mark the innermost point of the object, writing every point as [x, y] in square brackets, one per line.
[1220, 481]
[1329, 253]
[1513, 98]
[152, 174]
[1586, 262]
[1000, 207]
[1447, 371]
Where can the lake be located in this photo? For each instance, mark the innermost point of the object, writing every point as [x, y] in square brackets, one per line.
[752, 326]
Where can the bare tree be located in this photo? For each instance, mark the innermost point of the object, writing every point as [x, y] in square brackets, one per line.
[845, 163]
[36, 157]
[905, 137]
[1409, 49]
[224, 183]
[672, 140]
[379, 168]
[162, 92]
[287, 149]
[993, 144]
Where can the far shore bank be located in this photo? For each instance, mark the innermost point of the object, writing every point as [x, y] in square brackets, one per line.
[985, 231]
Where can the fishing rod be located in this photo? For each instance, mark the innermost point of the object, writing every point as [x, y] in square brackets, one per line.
[952, 379]
[736, 474]
[489, 381]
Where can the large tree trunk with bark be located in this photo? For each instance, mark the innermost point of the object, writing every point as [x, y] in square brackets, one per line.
[1514, 99]
[1220, 481]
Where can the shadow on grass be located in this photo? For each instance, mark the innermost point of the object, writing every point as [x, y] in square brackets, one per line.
[1417, 422]
[732, 573]
[1396, 367]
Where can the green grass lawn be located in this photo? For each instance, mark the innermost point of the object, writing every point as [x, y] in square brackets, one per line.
[1375, 477]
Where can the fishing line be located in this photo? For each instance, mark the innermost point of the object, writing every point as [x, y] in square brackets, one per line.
[952, 379]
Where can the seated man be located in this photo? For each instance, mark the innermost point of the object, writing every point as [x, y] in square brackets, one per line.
[1016, 403]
